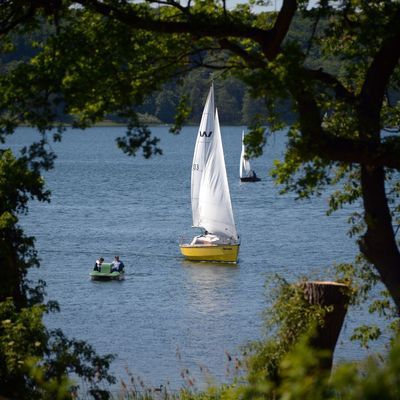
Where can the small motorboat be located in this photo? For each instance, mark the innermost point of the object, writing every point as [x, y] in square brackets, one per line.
[105, 274]
[252, 177]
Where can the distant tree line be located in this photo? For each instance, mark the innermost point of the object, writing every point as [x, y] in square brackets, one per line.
[236, 104]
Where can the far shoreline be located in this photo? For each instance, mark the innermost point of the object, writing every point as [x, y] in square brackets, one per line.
[112, 124]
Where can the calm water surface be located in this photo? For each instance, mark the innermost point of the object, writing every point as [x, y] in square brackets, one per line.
[170, 314]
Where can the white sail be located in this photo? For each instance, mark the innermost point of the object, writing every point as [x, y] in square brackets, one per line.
[244, 161]
[211, 201]
[214, 206]
[204, 139]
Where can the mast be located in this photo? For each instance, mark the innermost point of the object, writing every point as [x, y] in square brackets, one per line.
[205, 136]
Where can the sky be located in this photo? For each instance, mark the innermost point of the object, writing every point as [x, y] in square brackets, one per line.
[274, 4]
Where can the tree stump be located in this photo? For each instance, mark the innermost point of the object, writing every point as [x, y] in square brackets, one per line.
[328, 294]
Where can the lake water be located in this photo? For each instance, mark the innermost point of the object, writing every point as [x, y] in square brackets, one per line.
[170, 314]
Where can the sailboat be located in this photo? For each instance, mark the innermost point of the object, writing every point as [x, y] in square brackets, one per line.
[211, 200]
[246, 174]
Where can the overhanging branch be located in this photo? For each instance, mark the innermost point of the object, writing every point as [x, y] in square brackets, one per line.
[271, 43]
[340, 91]
[380, 71]
[199, 27]
[206, 26]
[250, 59]
[11, 21]
[318, 142]
[361, 152]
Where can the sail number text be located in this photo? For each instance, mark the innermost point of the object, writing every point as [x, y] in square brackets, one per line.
[202, 134]
[196, 167]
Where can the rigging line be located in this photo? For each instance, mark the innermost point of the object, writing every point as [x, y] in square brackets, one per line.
[91, 253]
[214, 75]
[398, 226]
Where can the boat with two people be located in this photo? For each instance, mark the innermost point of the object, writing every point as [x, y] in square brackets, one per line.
[108, 271]
[210, 196]
[246, 174]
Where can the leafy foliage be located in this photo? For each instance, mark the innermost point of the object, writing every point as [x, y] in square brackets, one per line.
[35, 363]
[18, 184]
[289, 318]
[366, 289]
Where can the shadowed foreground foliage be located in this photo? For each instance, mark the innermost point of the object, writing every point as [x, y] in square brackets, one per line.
[35, 363]
[286, 366]
[300, 379]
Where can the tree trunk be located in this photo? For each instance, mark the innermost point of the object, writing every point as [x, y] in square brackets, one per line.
[379, 244]
[328, 294]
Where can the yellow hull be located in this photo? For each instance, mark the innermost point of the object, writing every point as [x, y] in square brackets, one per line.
[216, 252]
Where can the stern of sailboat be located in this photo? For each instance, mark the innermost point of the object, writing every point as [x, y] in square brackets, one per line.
[214, 252]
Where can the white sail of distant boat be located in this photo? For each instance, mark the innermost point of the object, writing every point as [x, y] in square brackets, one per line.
[246, 174]
[244, 161]
[210, 196]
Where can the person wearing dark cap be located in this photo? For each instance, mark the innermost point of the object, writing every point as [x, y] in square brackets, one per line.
[97, 265]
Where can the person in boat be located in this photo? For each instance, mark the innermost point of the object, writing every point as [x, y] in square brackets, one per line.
[253, 174]
[117, 265]
[97, 265]
[205, 238]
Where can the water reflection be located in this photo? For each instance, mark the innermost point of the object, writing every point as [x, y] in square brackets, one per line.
[209, 265]
[209, 286]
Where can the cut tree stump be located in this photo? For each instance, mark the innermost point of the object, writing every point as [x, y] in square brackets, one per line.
[328, 294]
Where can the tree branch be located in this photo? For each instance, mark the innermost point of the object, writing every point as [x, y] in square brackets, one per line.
[378, 243]
[269, 39]
[250, 59]
[323, 77]
[171, 3]
[271, 43]
[318, 142]
[378, 75]
[313, 32]
[361, 152]
[10, 23]
[200, 27]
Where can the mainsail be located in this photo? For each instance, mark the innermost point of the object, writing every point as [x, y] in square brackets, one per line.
[201, 153]
[215, 208]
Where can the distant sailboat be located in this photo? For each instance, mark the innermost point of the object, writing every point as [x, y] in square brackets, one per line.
[246, 174]
[211, 201]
